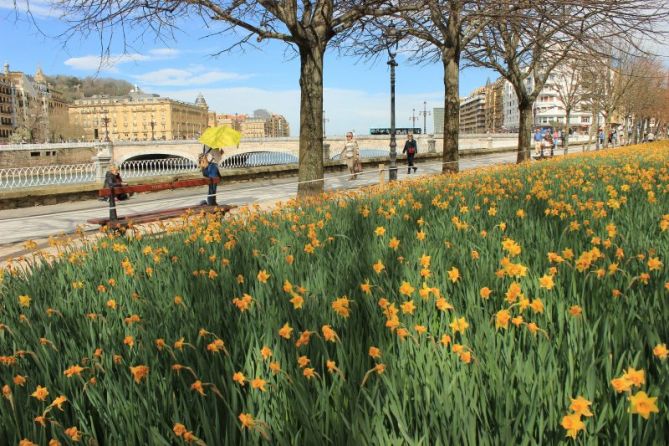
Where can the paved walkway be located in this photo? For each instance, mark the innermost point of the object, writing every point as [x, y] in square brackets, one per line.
[40, 222]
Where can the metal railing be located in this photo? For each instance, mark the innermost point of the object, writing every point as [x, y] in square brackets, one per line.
[156, 167]
[50, 146]
[18, 177]
[257, 159]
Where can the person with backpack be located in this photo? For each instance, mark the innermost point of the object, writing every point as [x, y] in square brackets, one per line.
[410, 148]
[209, 170]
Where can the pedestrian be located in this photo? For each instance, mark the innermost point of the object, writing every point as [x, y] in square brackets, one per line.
[601, 137]
[556, 140]
[112, 180]
[547, 142]
[410, 148]
[210, 170]
[537, 142]
[351, 155]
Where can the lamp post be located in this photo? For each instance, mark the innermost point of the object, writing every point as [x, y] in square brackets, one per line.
[413, 118]
[153, 123]
[105, 121]
[425, 114]
[391, 40]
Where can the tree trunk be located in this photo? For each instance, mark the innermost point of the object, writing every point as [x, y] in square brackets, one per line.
[565, 132]
[451, 156]
[636, 130]
[525, 124]
[311, 121]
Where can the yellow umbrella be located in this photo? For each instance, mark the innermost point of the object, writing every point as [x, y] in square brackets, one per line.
[219, 137]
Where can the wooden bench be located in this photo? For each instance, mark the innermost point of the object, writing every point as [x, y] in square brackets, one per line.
[116, 222]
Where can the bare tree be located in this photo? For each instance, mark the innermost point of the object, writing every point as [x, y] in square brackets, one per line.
[608, 79]
[439, 32]
[535, 37]
[62, 128]
[31, 121]
[645, 96]
[570, 92]
[307, 26]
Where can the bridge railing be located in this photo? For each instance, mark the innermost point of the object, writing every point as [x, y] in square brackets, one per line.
[18, 177]
[50, 146]
[156, 167]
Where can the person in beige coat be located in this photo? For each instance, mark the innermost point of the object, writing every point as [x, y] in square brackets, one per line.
[351, 155]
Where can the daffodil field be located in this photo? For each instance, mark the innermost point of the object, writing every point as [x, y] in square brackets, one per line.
[509, 305]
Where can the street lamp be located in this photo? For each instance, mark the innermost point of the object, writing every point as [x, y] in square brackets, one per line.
[413, 119]
[425, 114]
[153, 123]
[392, 40]
[105, 121]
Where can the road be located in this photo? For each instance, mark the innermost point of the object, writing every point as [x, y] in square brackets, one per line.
[38, 223]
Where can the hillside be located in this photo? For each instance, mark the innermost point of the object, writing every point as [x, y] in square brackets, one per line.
[73, 87]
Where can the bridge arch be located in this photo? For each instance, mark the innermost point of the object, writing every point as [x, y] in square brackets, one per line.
[132, 156]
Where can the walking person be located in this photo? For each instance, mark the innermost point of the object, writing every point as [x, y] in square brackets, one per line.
[556, 140]
[538, 140]
[210, 170]
[547, 142]
[410, 148]
[351, 155]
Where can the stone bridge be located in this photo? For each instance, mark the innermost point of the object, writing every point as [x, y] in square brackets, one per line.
[126, 151]
[74, 153]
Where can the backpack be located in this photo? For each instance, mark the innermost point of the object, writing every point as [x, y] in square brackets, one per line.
[202, 161]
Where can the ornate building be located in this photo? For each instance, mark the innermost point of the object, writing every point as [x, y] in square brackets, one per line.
[139, 116]
[31, 106]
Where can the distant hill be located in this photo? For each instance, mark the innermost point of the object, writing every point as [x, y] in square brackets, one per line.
[73, 87]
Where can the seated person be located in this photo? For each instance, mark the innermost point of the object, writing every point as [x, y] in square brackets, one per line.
[113, 179]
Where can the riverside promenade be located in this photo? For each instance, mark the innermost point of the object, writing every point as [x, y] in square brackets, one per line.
[38, 223]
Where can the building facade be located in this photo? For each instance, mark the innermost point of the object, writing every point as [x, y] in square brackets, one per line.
[253, 128]
[6, 107]
[30, 108]
[262, 124]
[438, 120]
[494, 107]
[473, 112]
[139, 117]
[276, 126]
[548, 109]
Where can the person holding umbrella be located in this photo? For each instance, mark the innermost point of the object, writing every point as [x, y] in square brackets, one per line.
[215, 138]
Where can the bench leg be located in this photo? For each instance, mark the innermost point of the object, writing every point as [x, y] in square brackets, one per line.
[112, 206]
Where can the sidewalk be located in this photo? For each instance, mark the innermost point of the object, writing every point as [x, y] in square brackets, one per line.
[39, 223]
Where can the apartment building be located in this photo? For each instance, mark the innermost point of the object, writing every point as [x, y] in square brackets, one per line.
[139, 116]
[29, 103]
[548, 110]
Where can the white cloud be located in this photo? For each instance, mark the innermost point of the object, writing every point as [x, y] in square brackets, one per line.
[164, 53]
[190, 76]
[110, 62]
[345, 109]
[36, 8]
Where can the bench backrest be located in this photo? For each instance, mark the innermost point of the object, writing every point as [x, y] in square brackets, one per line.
[154, 187]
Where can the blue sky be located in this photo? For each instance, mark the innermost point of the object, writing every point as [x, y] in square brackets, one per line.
[356, 93]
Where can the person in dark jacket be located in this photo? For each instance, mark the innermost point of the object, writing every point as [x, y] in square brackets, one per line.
[113, 179]
[211, 171]
[410, 148]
